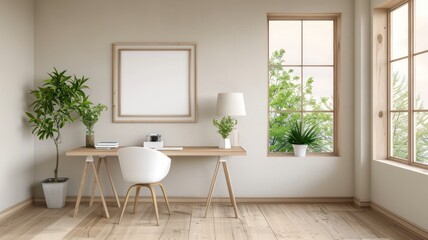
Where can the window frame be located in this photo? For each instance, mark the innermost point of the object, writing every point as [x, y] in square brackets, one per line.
[336, 18]
[411, 158]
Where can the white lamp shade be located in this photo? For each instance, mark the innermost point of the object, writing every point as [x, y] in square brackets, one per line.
[230, 104]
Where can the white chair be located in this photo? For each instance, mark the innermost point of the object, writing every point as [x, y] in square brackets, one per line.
[145, 167]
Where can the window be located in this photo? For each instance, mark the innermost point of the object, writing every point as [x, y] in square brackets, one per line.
[303, 78]
[408, 83]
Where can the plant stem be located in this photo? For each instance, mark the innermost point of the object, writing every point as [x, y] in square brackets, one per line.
[57, 162]
[57, 141]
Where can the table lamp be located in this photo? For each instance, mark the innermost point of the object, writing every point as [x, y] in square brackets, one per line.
[231, 104]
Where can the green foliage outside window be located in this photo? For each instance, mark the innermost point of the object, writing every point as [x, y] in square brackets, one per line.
[399, 122]
[285, 106]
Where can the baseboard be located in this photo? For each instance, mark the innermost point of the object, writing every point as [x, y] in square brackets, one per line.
[16, 208]
[361, 204]
[41, 199]
[415, 229]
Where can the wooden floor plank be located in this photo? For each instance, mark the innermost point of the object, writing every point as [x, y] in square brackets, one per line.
[283, 225]
[226, 226]
[94, 223]
[254, 222]
[141, 224]
[382, 226]
[64, 224]
[269, 221]
[201, 228]
[17, 224]
[179, 222]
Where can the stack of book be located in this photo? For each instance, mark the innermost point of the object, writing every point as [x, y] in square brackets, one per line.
[106, 145]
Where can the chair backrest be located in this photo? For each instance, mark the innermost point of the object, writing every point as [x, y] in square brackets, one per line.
[143, 165]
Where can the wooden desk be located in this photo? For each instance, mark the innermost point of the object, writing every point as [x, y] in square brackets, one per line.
[89, 153]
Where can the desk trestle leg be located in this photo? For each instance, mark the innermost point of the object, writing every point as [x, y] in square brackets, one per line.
[229, 187]
[210, 194]
[79, 195]
[91, 202]
[223, 161]
[90, 160]
[111, 182]
[101, 191]
[99, 162]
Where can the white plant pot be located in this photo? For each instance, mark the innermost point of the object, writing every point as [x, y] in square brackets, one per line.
[300, 150]
[55, 192]
[225, 143]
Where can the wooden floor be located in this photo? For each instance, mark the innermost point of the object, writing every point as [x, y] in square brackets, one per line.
[257, 221]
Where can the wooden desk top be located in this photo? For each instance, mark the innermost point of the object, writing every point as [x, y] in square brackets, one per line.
[187, 151]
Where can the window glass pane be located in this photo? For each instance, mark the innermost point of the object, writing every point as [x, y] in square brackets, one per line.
[318, 41]
[399, 32]
[421, 25]
[284, 88]
[279, 126]
[286, 34]
[399, 135]
[318, 88]
[421, 81]
[421, 122]
[324, 121]
[399, 85]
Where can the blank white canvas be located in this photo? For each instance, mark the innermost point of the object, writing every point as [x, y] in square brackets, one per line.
[154, 83]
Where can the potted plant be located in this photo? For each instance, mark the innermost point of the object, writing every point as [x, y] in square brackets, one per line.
[89, 115]
[301, 136]
[55, 103]
[225, 126]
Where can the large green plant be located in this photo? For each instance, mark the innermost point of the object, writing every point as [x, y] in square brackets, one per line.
[225, 125]
[55, 103]
[301, 133]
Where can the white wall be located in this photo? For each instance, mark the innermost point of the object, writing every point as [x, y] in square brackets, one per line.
[232, 56]
[401, 191]
[17, 78]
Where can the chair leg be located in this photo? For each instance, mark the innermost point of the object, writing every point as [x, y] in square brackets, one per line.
[137, 194]
[124, 204]
[152, 190]
[165, 197]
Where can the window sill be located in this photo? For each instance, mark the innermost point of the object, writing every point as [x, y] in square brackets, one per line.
[404, 166]
[313, 155]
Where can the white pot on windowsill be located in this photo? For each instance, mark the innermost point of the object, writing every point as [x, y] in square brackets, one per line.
[300, 150]
[225, 143]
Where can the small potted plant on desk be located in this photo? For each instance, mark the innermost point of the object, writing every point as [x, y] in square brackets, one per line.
[225, 127]
[89, 115]
[54, 105]
[302, 136]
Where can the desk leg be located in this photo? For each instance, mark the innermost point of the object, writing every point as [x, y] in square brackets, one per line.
[100, 160]
[111, 181]
[91, 202]
[213, 181]
[82, 182]
[99, 188]
[229, 187]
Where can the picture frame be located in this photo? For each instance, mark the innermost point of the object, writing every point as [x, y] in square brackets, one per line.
[154, 82]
